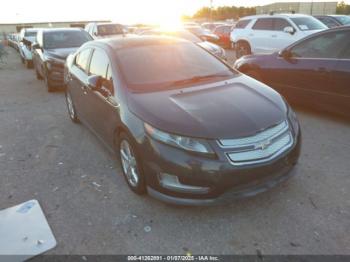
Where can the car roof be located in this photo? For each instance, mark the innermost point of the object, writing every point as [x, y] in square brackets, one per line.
[286, 15]
[62, 29]
[136, 41]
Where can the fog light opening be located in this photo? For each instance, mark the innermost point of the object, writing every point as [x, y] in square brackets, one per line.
[172, 182]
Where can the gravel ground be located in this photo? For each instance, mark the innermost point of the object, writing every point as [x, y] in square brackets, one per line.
[79, 184]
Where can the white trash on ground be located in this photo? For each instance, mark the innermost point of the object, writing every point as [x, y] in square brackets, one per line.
[24, 232]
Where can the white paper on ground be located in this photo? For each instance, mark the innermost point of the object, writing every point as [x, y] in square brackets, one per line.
[24, 232]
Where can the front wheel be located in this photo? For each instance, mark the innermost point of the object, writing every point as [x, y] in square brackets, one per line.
[71, 108]
[131, 165]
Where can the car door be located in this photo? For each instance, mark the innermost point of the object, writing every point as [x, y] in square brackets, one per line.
[340, 81]
[260, 36]
[103, 107]
[78, 82]
[307, 74]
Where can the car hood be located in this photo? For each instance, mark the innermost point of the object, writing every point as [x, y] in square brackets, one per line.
[234, 108]
[60, 53]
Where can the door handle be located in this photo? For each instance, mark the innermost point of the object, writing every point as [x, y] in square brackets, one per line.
[112, 102]
[273, 35]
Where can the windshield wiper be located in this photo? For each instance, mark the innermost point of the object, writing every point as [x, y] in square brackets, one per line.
[196, 79]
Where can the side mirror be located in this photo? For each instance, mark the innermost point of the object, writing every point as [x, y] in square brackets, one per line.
[289, 30]
[94, 82]
[285, 53]
[35, 46]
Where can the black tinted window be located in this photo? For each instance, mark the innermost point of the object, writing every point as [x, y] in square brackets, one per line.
[65, 39]
[158, 66]
[110, 29]
[242, 24]
[330, 45]
[328, 21]
[279, 24]
[263, 24]
[82, 59]
[99, 63]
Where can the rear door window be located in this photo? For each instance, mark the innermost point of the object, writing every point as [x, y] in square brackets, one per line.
[264, 24]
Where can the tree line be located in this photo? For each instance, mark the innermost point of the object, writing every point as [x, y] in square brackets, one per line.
[233, 12]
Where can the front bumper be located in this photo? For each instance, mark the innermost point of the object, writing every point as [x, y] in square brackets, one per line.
[56, 75]
[224, 181]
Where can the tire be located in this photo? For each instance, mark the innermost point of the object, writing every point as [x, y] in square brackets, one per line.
[131, 165]
[28, 64]
[242, 49]
[71, 108]
[37, 74]
[48, 84]
[254, 74]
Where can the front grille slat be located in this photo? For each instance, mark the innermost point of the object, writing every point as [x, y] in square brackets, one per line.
[261, 147]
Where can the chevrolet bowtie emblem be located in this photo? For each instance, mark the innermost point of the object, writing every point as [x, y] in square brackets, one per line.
[263, 145]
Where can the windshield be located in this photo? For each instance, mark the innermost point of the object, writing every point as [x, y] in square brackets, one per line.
[308, 23]
[65, 39]
[30, 33]
[110, 29]
[344, 20]
[157, 67]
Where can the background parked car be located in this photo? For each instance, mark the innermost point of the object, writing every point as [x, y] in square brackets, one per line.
[103, 30]
[268, 33]
[334, 20]
[27, 36]
[188, 129]
[314, 71]
[185, 34]
[224, 33]
[202, 33]
[50, 52]
[211, 26]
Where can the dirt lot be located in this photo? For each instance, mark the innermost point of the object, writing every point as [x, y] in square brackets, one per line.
[44, 156]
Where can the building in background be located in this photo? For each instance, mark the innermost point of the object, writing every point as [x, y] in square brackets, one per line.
[13, 28]
[309, 8]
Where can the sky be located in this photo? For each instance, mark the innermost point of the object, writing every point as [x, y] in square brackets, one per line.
[123, 11]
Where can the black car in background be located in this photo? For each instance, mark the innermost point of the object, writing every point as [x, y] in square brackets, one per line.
[50, 50]
[334, 20]
[188, 128]
[314, 71]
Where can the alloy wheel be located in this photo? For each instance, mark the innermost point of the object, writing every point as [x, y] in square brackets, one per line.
[129, 163]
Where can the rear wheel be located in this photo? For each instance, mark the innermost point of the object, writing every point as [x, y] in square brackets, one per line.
[242, 49]
[131, 165]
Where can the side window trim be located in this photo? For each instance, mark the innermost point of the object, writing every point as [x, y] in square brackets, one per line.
[88, 60]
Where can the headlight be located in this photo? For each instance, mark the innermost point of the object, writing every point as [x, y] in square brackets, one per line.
[186, 143]
[53, 61]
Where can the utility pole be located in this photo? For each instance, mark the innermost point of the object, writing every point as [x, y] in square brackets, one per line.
[211, 11]
[312, 6]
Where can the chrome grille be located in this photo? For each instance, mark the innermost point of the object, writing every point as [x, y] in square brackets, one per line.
[261, 147]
